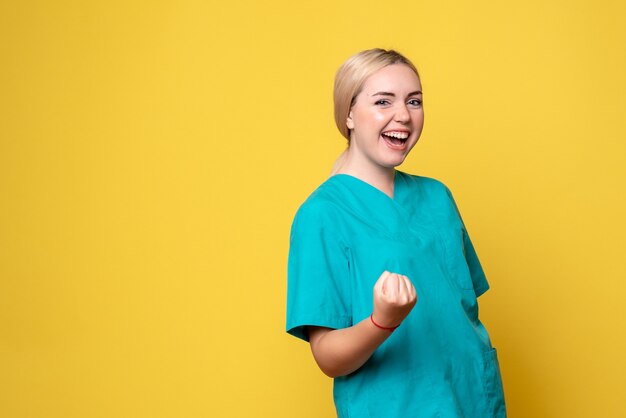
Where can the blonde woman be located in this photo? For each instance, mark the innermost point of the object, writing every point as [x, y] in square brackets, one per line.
[383, 279]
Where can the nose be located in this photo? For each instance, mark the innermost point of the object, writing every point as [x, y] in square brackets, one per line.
[402, 114]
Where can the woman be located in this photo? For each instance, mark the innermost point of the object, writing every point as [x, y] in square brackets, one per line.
[383, 277]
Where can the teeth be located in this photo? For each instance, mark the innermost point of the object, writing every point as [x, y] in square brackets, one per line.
[399, 135]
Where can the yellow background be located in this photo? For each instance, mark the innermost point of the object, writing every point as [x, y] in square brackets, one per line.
[153, 153]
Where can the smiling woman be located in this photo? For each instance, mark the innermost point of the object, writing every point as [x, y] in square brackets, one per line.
[369, 229]
[385, 121]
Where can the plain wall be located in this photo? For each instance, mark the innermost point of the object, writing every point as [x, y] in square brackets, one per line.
[153, 154]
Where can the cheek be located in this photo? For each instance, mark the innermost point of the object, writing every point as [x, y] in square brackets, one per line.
[419, 119]
[378, 116]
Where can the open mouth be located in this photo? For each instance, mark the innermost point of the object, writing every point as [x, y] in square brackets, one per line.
[396, 139]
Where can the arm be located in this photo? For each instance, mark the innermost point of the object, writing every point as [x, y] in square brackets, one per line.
[340, 352]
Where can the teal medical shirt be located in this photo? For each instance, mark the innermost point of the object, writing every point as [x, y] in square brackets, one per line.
[439, 362]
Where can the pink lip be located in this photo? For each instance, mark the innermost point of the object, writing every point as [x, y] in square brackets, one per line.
[401, 147]
[397, 130]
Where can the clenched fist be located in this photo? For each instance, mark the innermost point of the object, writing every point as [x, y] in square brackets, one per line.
[394, 297]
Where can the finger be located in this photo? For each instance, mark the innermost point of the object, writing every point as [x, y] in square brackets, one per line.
[380, 283]
[411, 288]
[404, 288]
[393, 285]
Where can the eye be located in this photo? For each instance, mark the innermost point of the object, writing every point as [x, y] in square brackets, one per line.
[381, 102]
[415, 102]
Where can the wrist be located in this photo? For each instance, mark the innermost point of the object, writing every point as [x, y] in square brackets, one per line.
[377, 325]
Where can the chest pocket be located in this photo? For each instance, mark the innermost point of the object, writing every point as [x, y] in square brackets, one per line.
[455, 261]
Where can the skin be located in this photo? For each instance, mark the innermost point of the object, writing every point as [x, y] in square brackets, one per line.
[390, 101]
[369, 157]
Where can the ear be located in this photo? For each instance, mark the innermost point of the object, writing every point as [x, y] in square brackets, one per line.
[349, 121]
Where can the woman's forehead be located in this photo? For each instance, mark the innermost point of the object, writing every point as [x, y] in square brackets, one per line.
[395, 78]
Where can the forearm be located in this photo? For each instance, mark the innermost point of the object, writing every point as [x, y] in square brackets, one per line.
[342, 351]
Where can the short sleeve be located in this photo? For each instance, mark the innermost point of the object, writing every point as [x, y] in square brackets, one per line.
[479, 280]
[476, 270]
[318, 271]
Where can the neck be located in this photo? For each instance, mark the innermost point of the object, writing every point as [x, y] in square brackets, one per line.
[380, 177]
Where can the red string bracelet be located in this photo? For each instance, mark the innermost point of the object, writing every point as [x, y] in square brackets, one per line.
[390, 329]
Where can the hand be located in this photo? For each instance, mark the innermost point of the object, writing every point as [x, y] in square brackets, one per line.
[394, 297]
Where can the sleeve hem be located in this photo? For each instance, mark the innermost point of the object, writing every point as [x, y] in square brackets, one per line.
[297, 328]
[481, 290]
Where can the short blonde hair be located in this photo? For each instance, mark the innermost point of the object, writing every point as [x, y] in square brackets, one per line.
[351, 76]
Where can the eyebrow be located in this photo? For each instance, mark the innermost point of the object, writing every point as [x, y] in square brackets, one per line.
[386, 93]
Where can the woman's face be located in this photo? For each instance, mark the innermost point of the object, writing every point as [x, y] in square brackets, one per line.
[387, 117]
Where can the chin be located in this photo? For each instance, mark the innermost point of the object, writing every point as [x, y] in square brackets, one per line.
[393, 163]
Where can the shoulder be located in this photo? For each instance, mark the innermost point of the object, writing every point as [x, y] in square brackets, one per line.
[431, 192]
[428, 184]
[320, 208]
